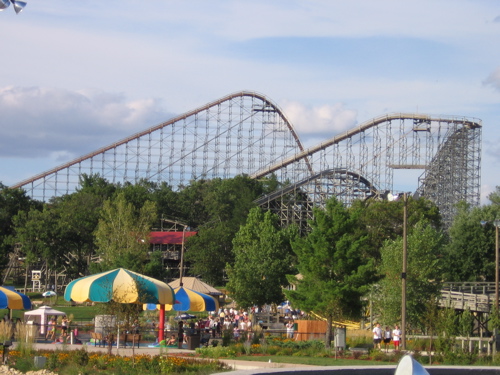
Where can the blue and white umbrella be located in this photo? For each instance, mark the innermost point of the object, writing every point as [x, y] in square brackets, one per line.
[189, 300]
[10, 299]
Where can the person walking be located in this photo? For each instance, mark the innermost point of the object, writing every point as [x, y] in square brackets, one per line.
[396, 337]
[387, 337]
[377, 336]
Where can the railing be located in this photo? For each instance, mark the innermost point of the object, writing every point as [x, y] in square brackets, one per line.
[470, 287]
[467, 343]
[466, 301]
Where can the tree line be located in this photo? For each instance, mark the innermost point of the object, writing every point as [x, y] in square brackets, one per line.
[348, 253]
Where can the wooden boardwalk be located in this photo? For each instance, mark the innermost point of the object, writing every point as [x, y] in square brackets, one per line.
[477, 297]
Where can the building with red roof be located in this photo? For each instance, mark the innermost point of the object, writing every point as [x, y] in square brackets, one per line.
[170, 244]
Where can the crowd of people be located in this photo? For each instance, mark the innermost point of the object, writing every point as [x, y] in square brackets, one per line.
[386, 336]
[236, 321]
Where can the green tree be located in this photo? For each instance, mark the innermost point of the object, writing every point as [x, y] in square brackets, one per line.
[381, 220]
[167, 203]
[218, 209]
[334, 270]
[424, 273]
[470, 252]
[494, 197]
[12, 201]
[96, 185]
[32, 233]
[263, 258]
[76, 218]
[122, 234]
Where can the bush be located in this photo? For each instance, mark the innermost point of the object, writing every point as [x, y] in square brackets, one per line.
[80, 357]
[380, 356]
[217, 352]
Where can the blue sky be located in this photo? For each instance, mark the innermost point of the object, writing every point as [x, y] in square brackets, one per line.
[78, 75]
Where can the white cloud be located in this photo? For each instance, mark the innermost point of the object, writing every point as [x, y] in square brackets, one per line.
[41, 121]
[493, 79]
[324, 119]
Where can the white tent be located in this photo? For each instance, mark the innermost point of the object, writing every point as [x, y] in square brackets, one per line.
[197, 285]
[41, 316]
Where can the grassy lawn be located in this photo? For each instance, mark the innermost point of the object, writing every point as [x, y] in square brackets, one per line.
[316, 361]
[80, 312]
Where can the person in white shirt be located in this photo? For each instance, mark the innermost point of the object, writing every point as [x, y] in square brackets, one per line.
[396, 337]
[377, 336]
[290, 329]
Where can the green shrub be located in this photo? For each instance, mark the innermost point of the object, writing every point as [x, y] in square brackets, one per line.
[217, 352]
[272, 349]
[80, 357]
[380, 356]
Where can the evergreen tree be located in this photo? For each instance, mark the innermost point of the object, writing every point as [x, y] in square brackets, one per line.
[334, 271]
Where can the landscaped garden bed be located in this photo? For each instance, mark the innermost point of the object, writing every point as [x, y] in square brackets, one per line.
[82, 362]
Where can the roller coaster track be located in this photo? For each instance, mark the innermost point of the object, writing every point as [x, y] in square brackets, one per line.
[361, 128]
[233, 133]
[445, 149]
[346, 175]
[246, 133]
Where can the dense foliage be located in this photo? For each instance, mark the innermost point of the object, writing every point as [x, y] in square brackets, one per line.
[424, 272]
[112, 221]
[263, 258]
[346, 251]
[334, 271]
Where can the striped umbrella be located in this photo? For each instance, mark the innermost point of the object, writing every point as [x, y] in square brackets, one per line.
[119, 285]
[189, 300]
[10, 299]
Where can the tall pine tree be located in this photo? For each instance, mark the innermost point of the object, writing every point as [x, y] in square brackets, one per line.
[334, 270]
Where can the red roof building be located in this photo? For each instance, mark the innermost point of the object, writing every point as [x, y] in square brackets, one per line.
[169, 238]
[170, 244]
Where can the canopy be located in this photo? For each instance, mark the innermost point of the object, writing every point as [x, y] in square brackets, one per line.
[119, 285]
[189, 300]
[10, 299]
[196, 285]
[43, 311]
[40, 316]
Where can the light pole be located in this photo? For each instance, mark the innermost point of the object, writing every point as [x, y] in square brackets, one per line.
[392, 197]
[403, 273]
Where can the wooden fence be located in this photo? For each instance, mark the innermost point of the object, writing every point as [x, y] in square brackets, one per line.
[482, 344]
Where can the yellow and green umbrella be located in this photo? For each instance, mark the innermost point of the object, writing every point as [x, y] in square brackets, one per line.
[119, 285]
